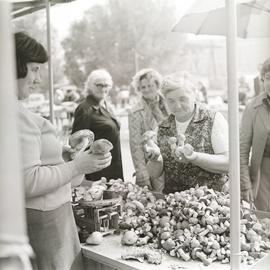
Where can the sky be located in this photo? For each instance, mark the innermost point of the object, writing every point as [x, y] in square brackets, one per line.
[74, 10]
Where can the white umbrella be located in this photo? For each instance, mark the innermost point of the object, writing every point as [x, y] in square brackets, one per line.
[250, 19]
[253, 20]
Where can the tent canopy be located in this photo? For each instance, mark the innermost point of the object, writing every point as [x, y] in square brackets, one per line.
[21, 8]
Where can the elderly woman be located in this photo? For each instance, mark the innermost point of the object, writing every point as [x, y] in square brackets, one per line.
[96, 114]
[206, 162]
[50, 221]
[150, 111]
[255, 146]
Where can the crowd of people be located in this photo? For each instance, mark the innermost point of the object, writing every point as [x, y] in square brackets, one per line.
[169, 108]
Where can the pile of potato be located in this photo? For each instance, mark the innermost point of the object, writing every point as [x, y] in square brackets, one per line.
[192, 224]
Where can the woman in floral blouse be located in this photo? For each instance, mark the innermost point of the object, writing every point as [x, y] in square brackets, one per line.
[204, 129]
[150, 111]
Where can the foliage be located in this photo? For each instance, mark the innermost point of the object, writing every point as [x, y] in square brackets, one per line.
[123, 36]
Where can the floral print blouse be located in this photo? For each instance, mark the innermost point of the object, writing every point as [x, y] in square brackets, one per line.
[181, 176]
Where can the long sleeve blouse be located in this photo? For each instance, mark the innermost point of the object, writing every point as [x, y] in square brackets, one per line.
[141, 119]
[47, 178]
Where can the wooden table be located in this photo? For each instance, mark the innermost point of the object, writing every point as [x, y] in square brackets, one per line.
[107, 256]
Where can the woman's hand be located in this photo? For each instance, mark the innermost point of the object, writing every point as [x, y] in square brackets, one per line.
[68, 153]
[247, 195]
[89, 163]
[152, 153]
[185, 153]
[189, 153]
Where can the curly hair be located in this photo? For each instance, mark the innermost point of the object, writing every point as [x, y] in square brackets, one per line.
[265, 68]
[98, 73]
[28, 50]
[146, 73]
[171, 83]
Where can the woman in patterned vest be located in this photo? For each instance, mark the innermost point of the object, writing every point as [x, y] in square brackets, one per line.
[204, 129]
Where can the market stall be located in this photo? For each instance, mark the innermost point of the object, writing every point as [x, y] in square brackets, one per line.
[108, 253]
[187, 229]
[107, 256]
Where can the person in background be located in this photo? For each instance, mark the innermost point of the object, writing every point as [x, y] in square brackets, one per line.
[258, 82]
[147, 114]
[71, 95]
[58, 96]
[47, 178]
[96, 114]
[206, 135]
[203, 91]
[243, 89]
[255, 146]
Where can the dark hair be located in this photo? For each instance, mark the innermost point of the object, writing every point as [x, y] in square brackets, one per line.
[28, 50]
[265, 68]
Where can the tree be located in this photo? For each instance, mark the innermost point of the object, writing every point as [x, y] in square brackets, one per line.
[114, 35]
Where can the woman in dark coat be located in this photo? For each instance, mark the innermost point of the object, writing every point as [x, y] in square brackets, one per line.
[96, 114]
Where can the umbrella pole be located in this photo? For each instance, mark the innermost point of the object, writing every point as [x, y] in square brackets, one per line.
[233, 112]
[14, 247]
[50, 68]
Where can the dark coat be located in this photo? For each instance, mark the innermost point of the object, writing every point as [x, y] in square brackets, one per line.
[103, 123]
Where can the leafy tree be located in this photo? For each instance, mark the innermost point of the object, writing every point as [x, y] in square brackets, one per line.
[123, 36]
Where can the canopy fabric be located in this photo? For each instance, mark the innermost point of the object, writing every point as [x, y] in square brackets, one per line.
[253, 20]
[21, 8]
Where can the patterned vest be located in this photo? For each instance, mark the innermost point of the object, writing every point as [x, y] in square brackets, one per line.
[182, 176]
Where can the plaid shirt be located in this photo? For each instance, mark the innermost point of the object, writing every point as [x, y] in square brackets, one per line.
[141, 119]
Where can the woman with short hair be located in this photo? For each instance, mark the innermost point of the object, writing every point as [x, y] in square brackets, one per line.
[47, 178]
[147, 114]
[97, 115]
[204, 129]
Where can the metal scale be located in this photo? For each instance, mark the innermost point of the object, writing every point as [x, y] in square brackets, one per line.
[102, 215]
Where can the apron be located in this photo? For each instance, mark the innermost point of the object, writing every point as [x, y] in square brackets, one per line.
[54, 239]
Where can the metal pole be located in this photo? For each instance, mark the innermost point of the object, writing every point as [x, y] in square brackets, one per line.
[14, 247]
[233, 110]
[50, 68]
[136, 61]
